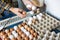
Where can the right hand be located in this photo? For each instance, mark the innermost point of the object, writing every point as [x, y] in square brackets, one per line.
[31, 3]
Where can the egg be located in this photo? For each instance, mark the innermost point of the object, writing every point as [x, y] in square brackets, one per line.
[31, 37]
[35, 34]
[26, 38]
[2, 33]
[29, 23]
[11, 29]
[19, 38]
[19, 26]
[6, 38]
[7, 31]
[15, 27]
[31, 12]
[15, 35]
[33, 8]
[38, 10]
[29, 6]
[39, 17]
[27, 33]
[18, 30]
[20, 33]
[11, 37]
[29, 29]
[40, 14]
[34, 17]
[32, 31]
[13, 32]
[25, 26]
[23, 35]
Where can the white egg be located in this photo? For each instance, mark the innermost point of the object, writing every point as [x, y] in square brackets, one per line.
[15, 27]
[11, 36]
[27, 33]
[16, 35]
[29, 6]
[34, 17]
[13, 32]
[39, 17]
[33, 8]
[6, 30]
[30, 37]
[31, 12]
[30, 22]
[40, 14]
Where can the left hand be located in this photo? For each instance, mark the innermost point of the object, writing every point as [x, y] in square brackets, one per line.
[19, 12]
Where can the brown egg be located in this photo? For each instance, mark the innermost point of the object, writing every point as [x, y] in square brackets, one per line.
[9, 33]
[32, 31]
[18, 30]
[29, 29]
[11, 29]
[20, 33]
[19, 26]
[35, 34]
[6, 38]
[26, 38]
[26, 26]
[19, 38]
[2, 33]
[23, 35]
[13, 39]
[23, 24]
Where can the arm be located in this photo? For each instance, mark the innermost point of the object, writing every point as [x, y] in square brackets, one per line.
[16, 11]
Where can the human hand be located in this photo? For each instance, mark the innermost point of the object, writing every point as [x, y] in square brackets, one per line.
[19, 12]
[31, 4]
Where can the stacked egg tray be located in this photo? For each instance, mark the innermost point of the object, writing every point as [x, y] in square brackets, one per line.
[25, 32]
[43, 21]
[35, 27]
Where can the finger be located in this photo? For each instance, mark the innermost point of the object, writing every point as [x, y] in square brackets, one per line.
[21, 15]
[29, 4]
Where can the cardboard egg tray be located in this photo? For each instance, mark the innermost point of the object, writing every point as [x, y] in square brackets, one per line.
[25, 32]
[43, 21]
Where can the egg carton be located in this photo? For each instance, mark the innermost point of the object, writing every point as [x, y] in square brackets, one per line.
[25, 32]
[43, 21]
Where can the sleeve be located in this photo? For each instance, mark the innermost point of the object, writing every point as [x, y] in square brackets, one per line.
[4, 5]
